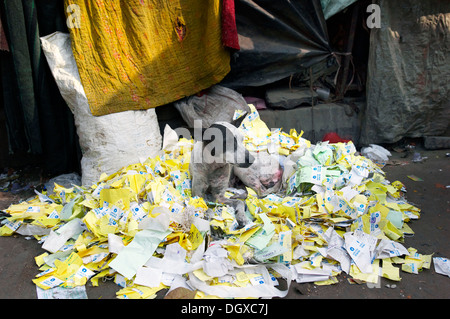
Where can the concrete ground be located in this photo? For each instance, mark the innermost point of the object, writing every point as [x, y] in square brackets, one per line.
[432, 235]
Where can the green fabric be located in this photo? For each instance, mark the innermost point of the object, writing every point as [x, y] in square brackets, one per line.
[38, 119]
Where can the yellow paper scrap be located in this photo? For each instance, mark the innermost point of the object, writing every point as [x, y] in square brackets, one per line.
[139, 292]
[115, 196]
[94, 280]
[40, 259]
[389, 271]
[248, 233]
[331, 281]
[373, 277]
[195, 237]
[235, 253]
[200, 274]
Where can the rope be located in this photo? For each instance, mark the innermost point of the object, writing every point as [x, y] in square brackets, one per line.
[337, 56]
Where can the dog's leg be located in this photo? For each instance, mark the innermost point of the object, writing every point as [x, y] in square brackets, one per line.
[219, 182]
[199, 184]
[238, 205]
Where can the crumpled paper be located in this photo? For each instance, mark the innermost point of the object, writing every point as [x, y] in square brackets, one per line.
[336, 212]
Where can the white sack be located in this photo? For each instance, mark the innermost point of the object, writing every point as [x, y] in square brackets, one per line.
[107, 142]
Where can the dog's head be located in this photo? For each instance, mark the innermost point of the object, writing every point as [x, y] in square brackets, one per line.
[223, 142]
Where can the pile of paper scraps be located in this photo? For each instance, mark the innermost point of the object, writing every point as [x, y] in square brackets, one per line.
[141, 226]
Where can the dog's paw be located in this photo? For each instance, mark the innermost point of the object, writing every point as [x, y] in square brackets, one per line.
[241, 217]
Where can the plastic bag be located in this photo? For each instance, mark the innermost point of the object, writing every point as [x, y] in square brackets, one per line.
[65, 180]
[376, 153]
[217, 104]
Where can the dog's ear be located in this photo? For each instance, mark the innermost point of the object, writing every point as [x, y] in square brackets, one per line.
[237, 122]
[204, 137]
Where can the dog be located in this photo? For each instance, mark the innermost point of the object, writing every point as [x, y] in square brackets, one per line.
[212, 160]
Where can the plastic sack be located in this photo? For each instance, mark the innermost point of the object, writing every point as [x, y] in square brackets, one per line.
[107, 142]
[217, 104]
[376, 153]
[65, 180]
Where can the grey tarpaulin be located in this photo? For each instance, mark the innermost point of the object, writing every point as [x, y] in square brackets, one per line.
[331, 7]
[277, 39]
[408, 87]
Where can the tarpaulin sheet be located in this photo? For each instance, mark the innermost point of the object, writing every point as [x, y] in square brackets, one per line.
[408, 88]
[331, 7]
[277, 39]
[37, 117]
[135, 55]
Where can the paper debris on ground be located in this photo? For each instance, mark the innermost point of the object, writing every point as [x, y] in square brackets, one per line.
[141, 226]
[78, 292]
[442, 265]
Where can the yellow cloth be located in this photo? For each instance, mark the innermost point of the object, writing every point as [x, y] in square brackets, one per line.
[139, 54]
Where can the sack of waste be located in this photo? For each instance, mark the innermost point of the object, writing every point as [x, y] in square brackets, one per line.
[216, 104]
[107, 142]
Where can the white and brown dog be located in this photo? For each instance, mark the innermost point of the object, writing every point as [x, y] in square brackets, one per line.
[213, 158]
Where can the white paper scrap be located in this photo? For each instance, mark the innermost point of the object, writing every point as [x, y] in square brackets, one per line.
[361, 246]
[115, 243]
[268, 252]
[57, 239]
[149, 277]
[340, 254]
[336, 249]
[388, 248]
[266, 290]
[174, 281]
[78, 292]
[348, 193]
[311, 275]
[84, 272]
[30, 230]
[137, 253]
[216, 262]
[442, 265]
[158, 223]
[174, 261]
[170, 138]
